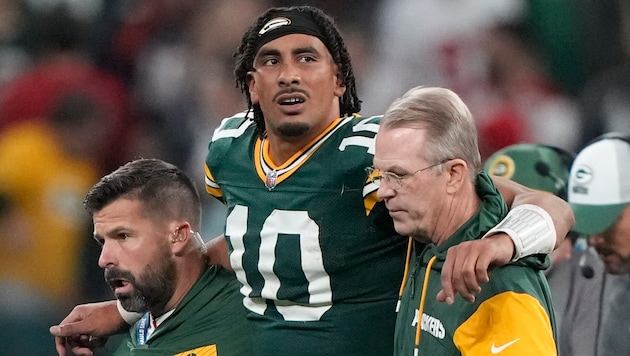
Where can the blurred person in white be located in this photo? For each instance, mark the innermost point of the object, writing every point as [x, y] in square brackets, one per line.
[545, 168]
[596, 319]
[485, 51]
[432, 42]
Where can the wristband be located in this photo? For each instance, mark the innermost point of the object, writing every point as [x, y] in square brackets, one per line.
[531, 229]
[129, 317]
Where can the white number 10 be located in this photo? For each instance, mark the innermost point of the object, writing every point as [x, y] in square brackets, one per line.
[290, 223]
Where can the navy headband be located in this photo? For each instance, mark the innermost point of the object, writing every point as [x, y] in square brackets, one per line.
[287, 23]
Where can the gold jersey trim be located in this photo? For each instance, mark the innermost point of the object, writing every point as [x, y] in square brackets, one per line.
[265, 166]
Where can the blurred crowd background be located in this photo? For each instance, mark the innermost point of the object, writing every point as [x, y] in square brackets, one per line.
[86, 85]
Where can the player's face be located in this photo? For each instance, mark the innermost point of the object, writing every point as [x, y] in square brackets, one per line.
[135, 255]
[416, 202]
[613, 245]
[297, 87]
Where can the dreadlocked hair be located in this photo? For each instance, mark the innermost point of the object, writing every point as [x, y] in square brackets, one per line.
[349, 103]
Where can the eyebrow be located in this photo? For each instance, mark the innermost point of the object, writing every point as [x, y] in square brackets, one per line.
[113, 232]
[267, 52]
[306, 49]
[295, 51]
[393, 168]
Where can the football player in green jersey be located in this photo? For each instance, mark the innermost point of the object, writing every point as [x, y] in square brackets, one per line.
[314, 248]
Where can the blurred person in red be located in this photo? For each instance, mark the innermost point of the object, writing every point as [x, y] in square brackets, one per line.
[61, 65]
[46, 166]
[485, 51]
[524, 103]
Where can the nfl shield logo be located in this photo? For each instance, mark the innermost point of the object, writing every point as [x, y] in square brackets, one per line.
[270, 181]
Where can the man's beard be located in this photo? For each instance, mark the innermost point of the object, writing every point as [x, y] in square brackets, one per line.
[293, 129]
[150, 291]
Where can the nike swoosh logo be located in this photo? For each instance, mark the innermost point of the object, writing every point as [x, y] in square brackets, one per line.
[497, 349]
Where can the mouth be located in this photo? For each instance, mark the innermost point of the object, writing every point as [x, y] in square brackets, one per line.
[120, 286]
[396, 214]
[291, 102]
[391, 209]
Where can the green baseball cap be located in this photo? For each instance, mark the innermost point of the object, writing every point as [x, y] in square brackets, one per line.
[536, 166]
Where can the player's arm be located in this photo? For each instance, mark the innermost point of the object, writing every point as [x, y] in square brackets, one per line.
[537, 222]
[87, 327]
[559, 210]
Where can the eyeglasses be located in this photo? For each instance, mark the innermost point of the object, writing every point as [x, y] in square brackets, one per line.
[376, 175]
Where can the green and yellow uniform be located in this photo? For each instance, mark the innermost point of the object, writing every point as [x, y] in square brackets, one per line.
[317, 256]
[512, 315]
[209, 321]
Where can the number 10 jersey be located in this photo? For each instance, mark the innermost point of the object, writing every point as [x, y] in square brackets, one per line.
[316, 253]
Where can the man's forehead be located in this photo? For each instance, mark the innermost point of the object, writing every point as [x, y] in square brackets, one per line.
[294, 42]
[286, 23]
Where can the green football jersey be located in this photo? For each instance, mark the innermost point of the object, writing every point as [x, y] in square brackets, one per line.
[316, 252]
[207, 321]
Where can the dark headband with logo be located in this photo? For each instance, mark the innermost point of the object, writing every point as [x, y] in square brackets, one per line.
[287, 23]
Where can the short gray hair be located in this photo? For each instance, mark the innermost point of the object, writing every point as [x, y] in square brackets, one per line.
[451, 130]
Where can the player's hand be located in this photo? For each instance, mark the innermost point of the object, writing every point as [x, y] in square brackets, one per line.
[80, 345]
[87, 327]
[467, 266]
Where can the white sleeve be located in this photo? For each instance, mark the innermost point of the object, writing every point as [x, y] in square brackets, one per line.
[531, 229]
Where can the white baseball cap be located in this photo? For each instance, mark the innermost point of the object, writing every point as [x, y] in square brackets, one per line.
[599, 183]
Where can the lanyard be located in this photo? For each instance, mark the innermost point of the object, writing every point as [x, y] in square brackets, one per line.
[143, 329]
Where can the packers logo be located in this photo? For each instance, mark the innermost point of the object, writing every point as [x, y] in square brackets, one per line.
[583, 174]
[502, 166]
[273, 24]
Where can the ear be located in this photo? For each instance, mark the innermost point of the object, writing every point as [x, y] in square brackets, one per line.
[340, 88]
[457, 174]
[251, 86]
[180, 238]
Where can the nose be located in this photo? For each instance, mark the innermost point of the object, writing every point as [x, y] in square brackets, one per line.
[289, 74]
[106, 259]
[384, 191]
